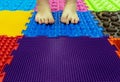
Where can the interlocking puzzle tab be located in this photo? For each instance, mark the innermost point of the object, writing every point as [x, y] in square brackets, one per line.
[7, 46]
[2, 75]
[116, 43]
[86, 27]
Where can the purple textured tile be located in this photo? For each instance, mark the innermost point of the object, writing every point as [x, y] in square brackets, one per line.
[64, 60]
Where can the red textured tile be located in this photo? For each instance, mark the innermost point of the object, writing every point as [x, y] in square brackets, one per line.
[7, 46]
[2, 75]
[116, 43]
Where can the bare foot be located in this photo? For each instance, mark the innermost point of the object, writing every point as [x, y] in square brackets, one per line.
[70, 14]
[44, 14]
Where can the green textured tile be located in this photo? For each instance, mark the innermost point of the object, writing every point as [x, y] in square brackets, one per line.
[103, 5]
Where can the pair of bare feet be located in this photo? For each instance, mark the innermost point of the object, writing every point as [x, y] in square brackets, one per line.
[44, 14]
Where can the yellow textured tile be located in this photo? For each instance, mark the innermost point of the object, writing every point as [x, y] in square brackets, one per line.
[13, 22]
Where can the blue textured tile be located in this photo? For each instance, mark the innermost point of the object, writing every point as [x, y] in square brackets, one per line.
[86, 27]
[17, 4]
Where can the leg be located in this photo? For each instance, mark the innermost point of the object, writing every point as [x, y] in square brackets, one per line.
[44, 14]
[69, 13]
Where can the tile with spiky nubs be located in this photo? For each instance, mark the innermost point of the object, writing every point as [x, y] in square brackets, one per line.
[7, 46]
[86, 27]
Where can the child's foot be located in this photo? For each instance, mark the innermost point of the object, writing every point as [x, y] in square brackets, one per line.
[69, 14]
[44, 14]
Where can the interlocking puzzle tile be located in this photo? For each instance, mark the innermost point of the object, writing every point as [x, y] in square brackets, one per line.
[17, 4]
[7, 46]
[64, 59]
[86, 27]
[110, 21]
[12, 23]
[103, 5]
[57, 5]
[2, 75]
[116, 43]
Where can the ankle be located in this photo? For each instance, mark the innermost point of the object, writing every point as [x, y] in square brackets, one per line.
[71, 5]
[71, 2]
[43, 7]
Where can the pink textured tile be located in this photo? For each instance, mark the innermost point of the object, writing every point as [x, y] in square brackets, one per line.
[57, 5]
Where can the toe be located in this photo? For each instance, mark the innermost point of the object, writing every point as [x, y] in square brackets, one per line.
[36, 18]
[68, 19]
[72, 21]
[76, 20]
[46, 21]
[43, 20]
[64, 18]
[51, 20]
[40, 21]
